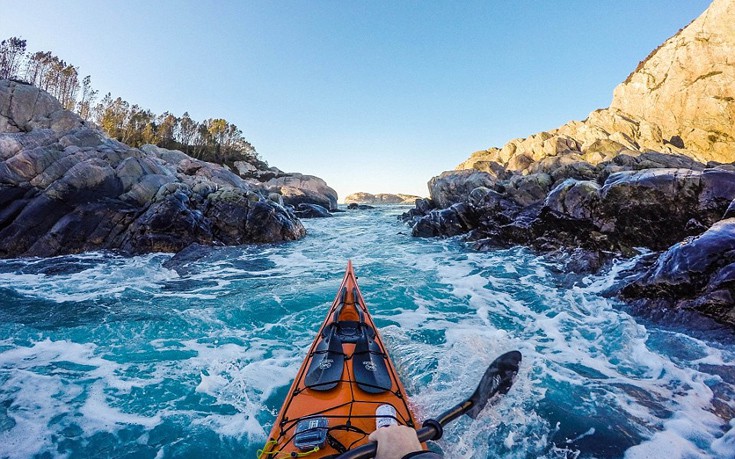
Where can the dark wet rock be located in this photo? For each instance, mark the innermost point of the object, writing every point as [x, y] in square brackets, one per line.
[529, 189]
[579, 260]
[422, 207]
[356, 206]
[305, 210]
[66, 188]
[579, 200]
[457, 219]
[653, 207]
[697, 273]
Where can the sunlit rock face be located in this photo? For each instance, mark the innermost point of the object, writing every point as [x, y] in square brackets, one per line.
[680, 100]
[686, 87]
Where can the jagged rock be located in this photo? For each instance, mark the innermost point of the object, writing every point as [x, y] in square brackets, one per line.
[244, 167]
[529, 189]
[305, 210]
[654, 207]
[277, 198]
[680, 99]
[578, 200]
[452, 186]
[299, 188]
[24, 108]
[380, 198]
[422, 207]
[66, 188]
[488, 201]
[687, 86]
[697, 273]
[294, 188]
[456, 219]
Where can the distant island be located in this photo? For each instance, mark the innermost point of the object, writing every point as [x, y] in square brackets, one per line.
[381, 198]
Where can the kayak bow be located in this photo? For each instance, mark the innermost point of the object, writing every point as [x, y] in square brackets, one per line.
[345, 378]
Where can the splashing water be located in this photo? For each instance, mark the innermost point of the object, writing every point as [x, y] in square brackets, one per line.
[110, 356]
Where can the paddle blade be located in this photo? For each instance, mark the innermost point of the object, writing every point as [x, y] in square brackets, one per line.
[498, 378]
[327, 363]
[368, 366]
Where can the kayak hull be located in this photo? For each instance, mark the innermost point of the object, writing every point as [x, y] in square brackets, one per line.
[345, 400]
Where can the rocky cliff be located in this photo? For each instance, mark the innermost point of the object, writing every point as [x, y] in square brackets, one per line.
[646, 172]
[686, 87]
[680, 99]
[65, 187]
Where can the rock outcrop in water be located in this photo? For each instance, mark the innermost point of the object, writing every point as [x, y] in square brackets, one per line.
[653, 170]
[697, 273]
[67, 188]
[294, 188]
[380, 198]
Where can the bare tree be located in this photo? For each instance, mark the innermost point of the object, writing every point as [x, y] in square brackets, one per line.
[11, 56]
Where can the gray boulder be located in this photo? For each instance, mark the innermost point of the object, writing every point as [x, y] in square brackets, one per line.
[24, 108]
[574, 199]
[530, 189]
[297, 188]
[453, 186]
[656, 208]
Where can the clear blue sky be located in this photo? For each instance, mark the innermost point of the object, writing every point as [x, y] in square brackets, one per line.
[375, 96]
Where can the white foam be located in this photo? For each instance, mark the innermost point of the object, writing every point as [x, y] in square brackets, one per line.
[39, 386]
[725, 445]
[100, 416]
[577, 327]
[106, 276]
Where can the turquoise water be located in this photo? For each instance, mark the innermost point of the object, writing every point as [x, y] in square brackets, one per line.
[108, 356]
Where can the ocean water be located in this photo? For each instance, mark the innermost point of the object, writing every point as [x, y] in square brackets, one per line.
[110, 356]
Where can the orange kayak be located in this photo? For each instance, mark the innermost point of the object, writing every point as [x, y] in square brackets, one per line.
[346, 386]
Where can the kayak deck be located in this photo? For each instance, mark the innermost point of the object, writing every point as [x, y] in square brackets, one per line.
[346, 375]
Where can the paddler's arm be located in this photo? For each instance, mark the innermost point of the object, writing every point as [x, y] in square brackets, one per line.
[399, 442]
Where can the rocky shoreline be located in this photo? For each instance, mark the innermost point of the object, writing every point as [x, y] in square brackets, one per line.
[687, 213]
[65, 187]
[655, 171]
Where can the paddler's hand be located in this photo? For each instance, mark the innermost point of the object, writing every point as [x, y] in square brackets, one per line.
[395, 441]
